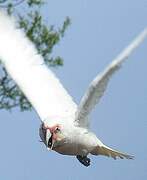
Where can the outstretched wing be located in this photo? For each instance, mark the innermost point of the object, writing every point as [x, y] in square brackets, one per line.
[99, 84]
[28, 70]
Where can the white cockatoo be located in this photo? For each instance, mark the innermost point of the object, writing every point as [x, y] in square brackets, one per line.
[64, 124]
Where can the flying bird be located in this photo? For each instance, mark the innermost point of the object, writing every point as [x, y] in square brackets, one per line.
[64, 124]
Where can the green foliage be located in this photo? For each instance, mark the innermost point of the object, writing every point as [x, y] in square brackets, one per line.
[44, 38]
[35, 2]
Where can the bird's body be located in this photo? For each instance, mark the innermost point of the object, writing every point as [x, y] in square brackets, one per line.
[80, 141]
[64, 124]
[76, 140]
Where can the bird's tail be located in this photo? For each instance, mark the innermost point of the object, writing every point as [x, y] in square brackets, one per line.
[106, 151]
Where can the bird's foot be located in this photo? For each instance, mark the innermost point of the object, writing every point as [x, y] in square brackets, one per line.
[84, 160]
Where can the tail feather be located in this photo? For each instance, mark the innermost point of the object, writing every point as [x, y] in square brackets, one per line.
[106, 151]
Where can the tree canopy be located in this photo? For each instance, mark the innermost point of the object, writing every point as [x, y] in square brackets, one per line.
[43, 36]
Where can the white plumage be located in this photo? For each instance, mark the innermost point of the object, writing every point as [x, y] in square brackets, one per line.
[29, 71]
[65, 126]
[99, 84]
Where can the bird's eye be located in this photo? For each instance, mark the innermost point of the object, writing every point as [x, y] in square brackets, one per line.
[57, 130]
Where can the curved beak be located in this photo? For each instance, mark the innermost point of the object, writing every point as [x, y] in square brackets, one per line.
[49, 139]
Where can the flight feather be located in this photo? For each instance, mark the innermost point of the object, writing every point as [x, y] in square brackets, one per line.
[28, 69]
[99, 84]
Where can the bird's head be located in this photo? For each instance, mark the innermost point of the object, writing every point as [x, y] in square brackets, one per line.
[51, 135]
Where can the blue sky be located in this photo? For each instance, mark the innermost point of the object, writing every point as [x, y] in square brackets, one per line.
[99, 31]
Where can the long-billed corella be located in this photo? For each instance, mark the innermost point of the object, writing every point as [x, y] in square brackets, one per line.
[64, 124]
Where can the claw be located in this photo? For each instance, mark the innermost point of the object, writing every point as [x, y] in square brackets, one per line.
[84, 160]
